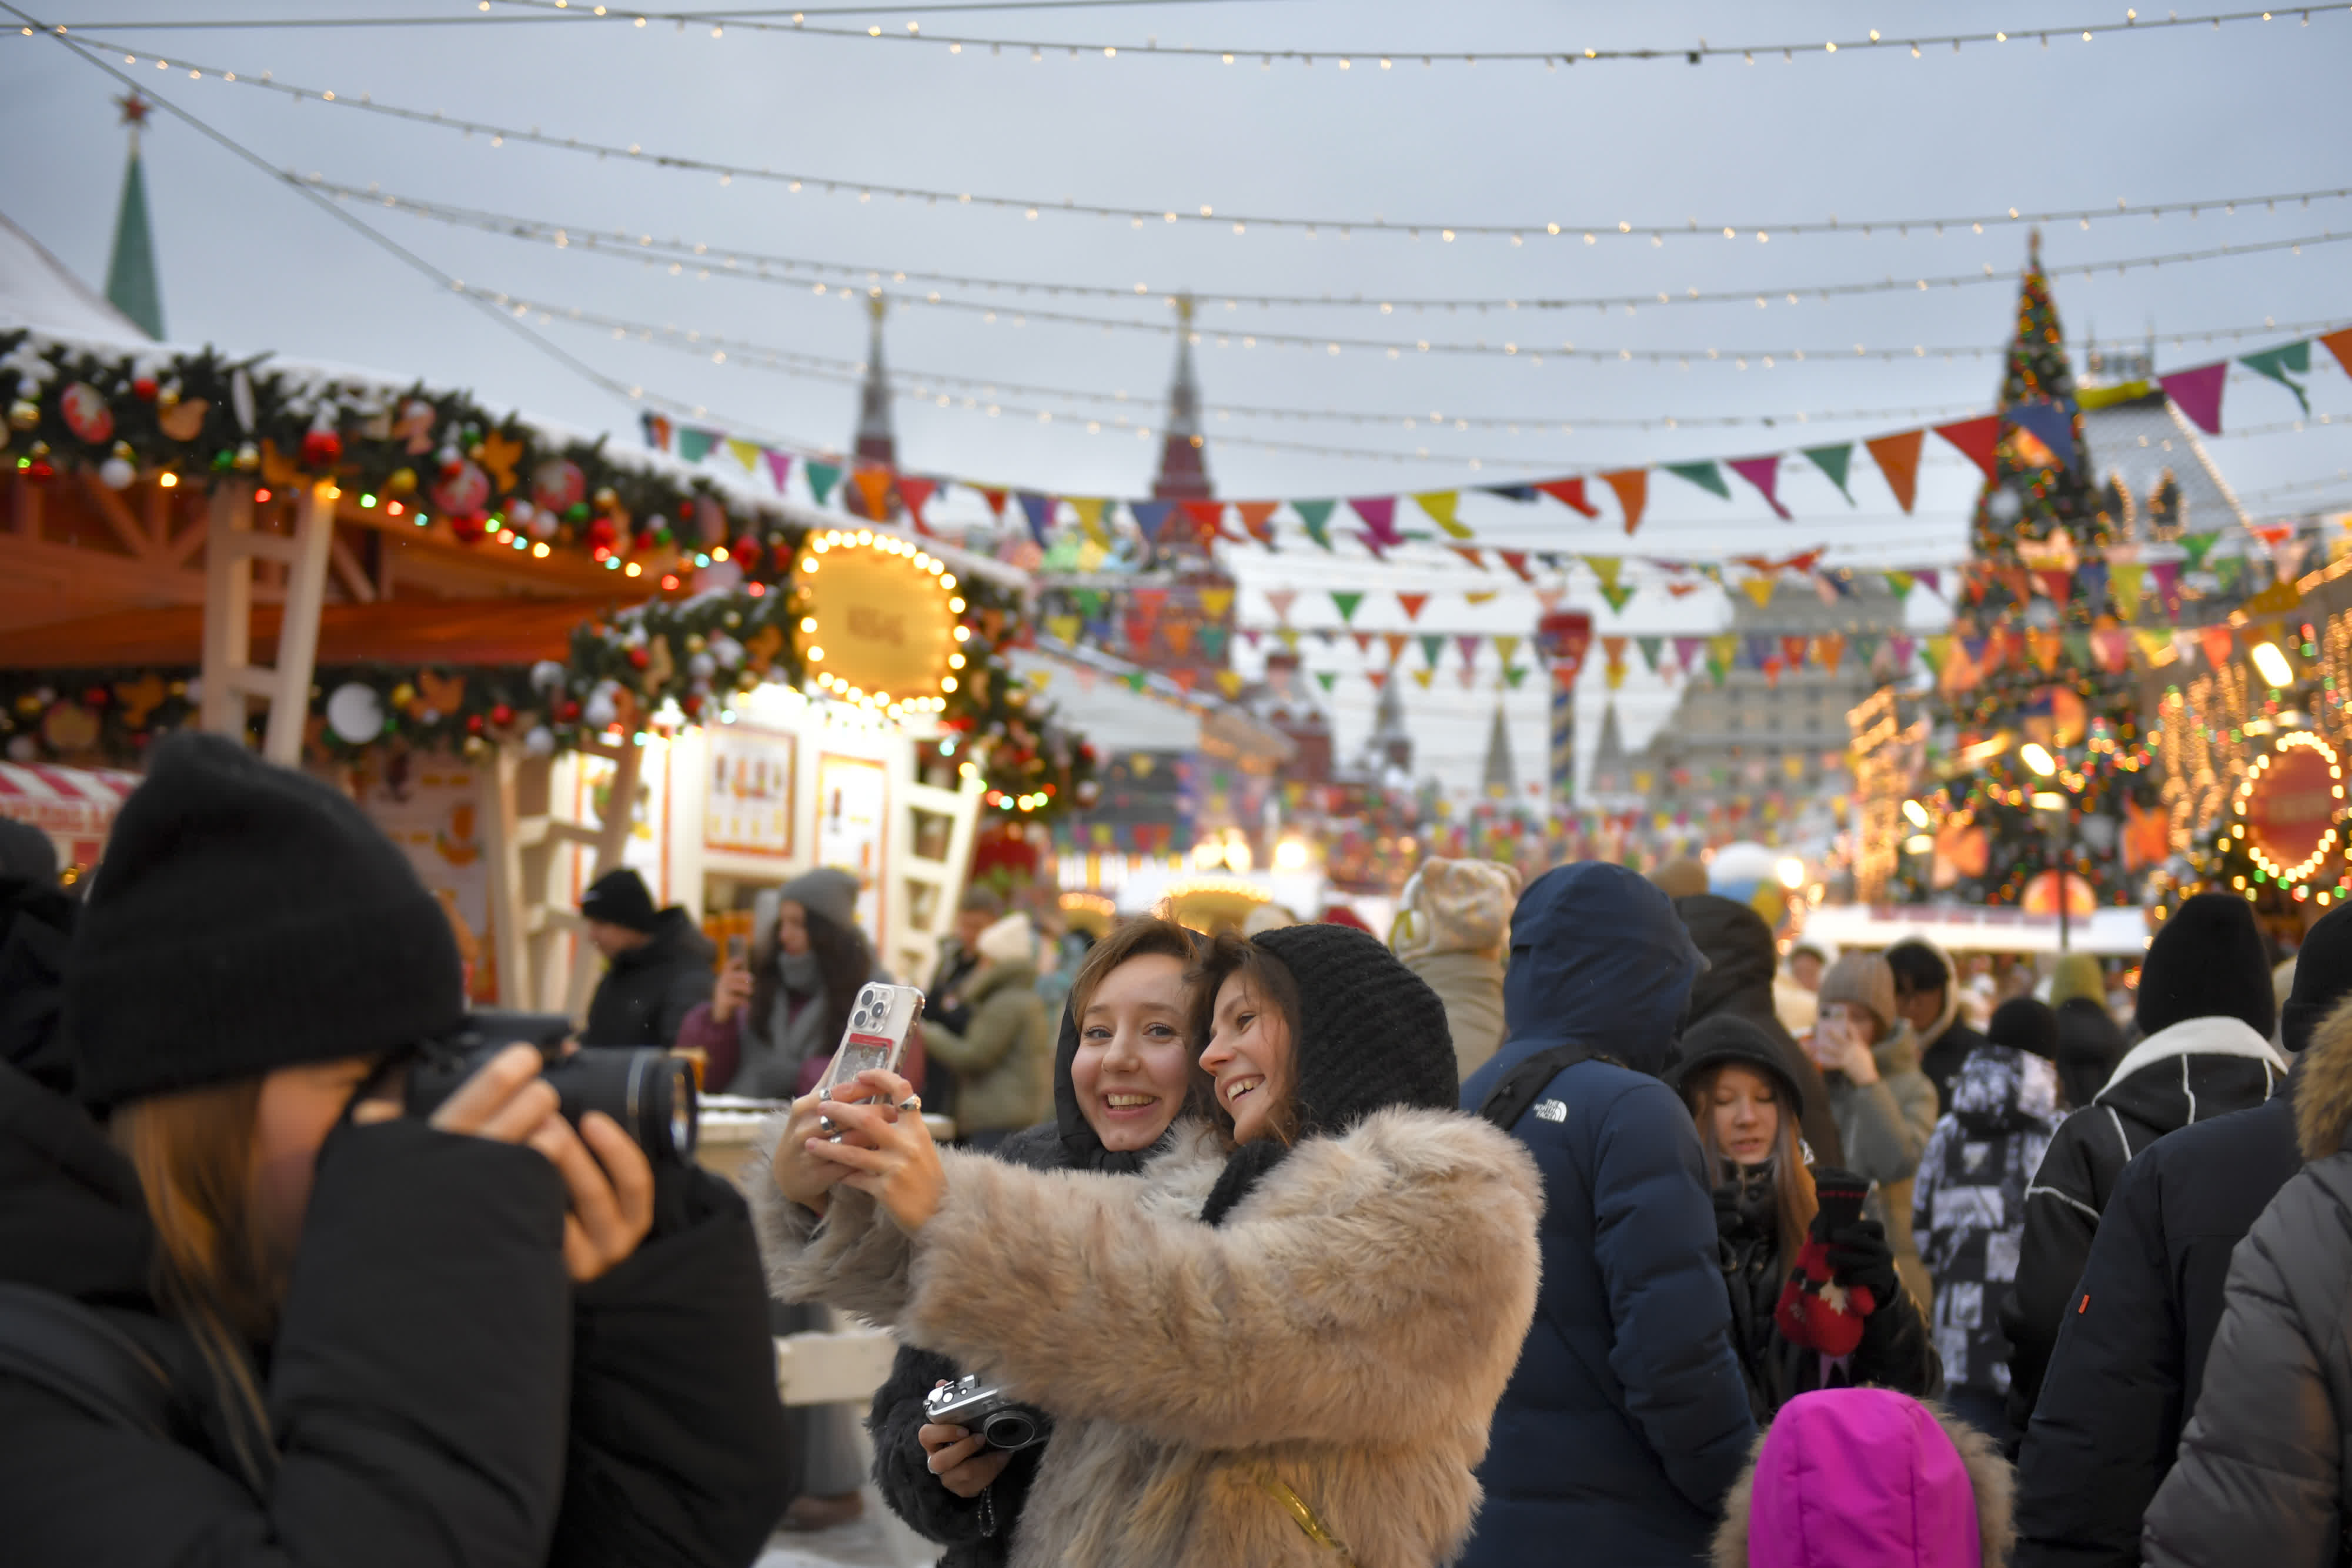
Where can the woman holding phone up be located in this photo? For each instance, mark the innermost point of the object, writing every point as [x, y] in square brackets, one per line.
[1280, 1343]
[1122, 1075]
[1793, 1337]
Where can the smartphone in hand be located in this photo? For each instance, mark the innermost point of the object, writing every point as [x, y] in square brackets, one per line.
[880, 1022]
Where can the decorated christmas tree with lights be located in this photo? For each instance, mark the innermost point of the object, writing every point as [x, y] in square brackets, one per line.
[2040, 782]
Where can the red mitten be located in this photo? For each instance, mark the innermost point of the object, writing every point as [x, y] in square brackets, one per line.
[1815, 1310]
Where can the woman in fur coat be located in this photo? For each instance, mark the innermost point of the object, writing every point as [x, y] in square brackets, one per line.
[1280, 1343]
[1122, 1076]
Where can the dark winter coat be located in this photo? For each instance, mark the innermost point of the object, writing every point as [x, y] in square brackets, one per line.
[2265, 1475]
[1627, 1417]
[1002, 1057]
[1741, 961]
[1894, 1352]
[2124, 1374]
[1947, 1043]
[418, 1386]
[1969, 1204]
[2195, 1070]
[647, 991]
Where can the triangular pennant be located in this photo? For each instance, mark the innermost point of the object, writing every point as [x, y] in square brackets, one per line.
[1230, 683]
[2340, 343]
[1834, 461]
[1523, 493]
[873, 485]
[1897, 458]
[1064, 628]
[1793, 651]
[1933, 577]
[2195, 392]
[2050, 422]
[1215, 601]
[1039, 510]
[994, 496]
[1898, 583]
[779, 467]
[2057, 584]
[1514, 674]
[1089, 509]
[2217, 644]
[1607, 568]
[1207, 518]
[1325, 678]
[1317, 515]
[1651, 648]
[1412, 604]
[1379, 513]
[1176, 632]
[2123, 581]
[1706, 476]
[2078, 648]
[2198, 546]
[914, 495]
[747, 453]
[1617, 595]
[1516, 560]
[657, 431]
[1479, 596]
[1440, 505]
[1184, 675]
[1150, 517]
[1976, 440]
[694, 445]
[1363, 642]
[1377, 678]
[1758, 589]
[1432, 648]
[1470, 553]
[1687, 649]
[2277, 363]
[822, 477]
[1345, 602]
[1422, 678]
[1257, 516]
[1632, 487]
[1396, 641]
[1135, 679]
[1829, 651]
[1280, 600]
[1758, 648]
[1764, 472]
[1569, 493]
[1469, 647]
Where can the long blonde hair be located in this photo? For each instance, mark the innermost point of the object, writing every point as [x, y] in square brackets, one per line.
[193, 1150]
[1793, 1200]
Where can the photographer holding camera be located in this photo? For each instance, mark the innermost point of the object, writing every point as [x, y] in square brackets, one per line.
[1122, 1074]
[260, 1316]
[1279, 1343]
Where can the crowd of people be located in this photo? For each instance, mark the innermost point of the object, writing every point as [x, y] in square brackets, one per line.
[1571, 1220]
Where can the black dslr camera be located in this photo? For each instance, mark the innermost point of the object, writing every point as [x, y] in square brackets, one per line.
[647, 1090]
[1000, 1422]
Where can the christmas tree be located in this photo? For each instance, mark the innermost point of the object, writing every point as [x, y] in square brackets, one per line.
[2037, 759]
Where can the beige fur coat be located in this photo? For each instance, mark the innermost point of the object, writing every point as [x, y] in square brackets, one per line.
[1348, 1330]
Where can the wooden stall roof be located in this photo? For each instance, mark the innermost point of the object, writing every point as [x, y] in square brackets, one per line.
[507, 631]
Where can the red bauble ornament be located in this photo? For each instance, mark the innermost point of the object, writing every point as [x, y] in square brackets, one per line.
[691, 707]
[602, 534]
[143, 389]
[567, 710]
[745, 553]
[321, 449]
[645, 540]
[638, 658]
[95, 696]
[474, 723]
[501, 715]
[469, 529]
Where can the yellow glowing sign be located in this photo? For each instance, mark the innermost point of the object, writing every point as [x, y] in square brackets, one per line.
[879, 627]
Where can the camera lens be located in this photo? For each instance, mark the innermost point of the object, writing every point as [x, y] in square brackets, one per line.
[1010, 1429]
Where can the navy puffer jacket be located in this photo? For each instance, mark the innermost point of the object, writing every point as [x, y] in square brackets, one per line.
[1626, 1420]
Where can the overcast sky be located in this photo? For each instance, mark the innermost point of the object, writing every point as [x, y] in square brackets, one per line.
[1871, 136]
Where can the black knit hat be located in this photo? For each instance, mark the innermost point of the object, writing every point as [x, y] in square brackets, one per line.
[2206, 961]
[2323, 977]
[1371, 1034]
[1723, 1039]
[2026, 1024]
[248, 917]
[620, 898]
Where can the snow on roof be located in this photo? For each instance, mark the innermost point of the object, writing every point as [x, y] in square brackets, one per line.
[2139, 440]
[36, 290]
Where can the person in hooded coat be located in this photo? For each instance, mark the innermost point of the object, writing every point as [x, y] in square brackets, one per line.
[2125, 1375]
[1627, 1416]
[1927, 998]
[1278, 1343]
[1453, 929]
[1002, 1057]
[1739, 981]
[1968, 1200]
[1138, 1035]
[1856, 1477]
[658, 964]
[1885, 1107]
[2263, 1475]
[419, 1381]
[2205, 1016]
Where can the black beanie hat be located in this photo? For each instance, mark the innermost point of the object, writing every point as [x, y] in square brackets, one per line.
[2206, 961]
[2026, 1024]
[248, 917]
[620, 898]
[1371, 1034]
[1721, 1039]
[2323, 977]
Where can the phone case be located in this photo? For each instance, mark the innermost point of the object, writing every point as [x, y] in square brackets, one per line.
[880, 1021]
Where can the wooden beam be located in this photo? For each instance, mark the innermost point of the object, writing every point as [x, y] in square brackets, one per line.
[187, 544]
[351, 575]
[228, 607]
[118, 515]
[298, 633]
[612, 839]
[503, 859]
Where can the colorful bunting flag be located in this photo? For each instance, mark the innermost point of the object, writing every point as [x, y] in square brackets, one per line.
[2277, 363]
[1632, 488]
[1422, 678]
[1379, 513]
[1089, 509]
[1569, 493]
[1412, 604]
[1899, 583]
[1617, 595]
[2217, 644]
[1325, 678]
[914, 495]
[1764, 472]
[2050, 422]
[1440, 505]
[1834, 461]
[2123, 581]
[1513, 675]
[1280, 600]
[1396, 641]
[1215, 601]
[1897, 458]
[1516, 560]
[2340, 343]
[1432, 649]
[1706, 476]
[1151, 517]
[657, 431]
[1758, 589]
[873, 485]
[2167, 585]
[1506, 648]
[1207, 518]
[994, 495]
[1317, 517]
[1469, 647]
[1651, 648]
[1978, 440]
[1829, 651]
[822, 477]
[1039, 510]
[747, 453]
[779, 467]
[1346, 603]
[1257, 516]
[2197, 393]
[694, 445]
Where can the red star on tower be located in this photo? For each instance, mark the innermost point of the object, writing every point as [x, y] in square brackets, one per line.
[135, 109]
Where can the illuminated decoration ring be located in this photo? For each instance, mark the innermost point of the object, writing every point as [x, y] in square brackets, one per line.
[879, 626]
[2249, 800]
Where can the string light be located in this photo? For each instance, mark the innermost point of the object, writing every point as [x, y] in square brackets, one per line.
[794, 271]
[1206, 212]
[1107, 50]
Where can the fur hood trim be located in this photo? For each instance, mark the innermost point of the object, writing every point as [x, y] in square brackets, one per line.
[1935, 1032]
[2216, 1035]
[2322, 1089]
[1992, 1477]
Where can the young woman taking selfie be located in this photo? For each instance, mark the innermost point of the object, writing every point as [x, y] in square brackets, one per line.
[1122, 1075]
[262, 1317]
[1280, 1342]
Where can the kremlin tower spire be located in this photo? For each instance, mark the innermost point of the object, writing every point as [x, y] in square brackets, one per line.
[130, 281]
[1183, 459]
[877, 442]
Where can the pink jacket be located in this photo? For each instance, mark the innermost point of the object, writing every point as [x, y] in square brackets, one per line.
[1867, 1478]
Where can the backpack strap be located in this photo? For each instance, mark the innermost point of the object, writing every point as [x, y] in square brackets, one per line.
[55, 1342]
[1516, 1090]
